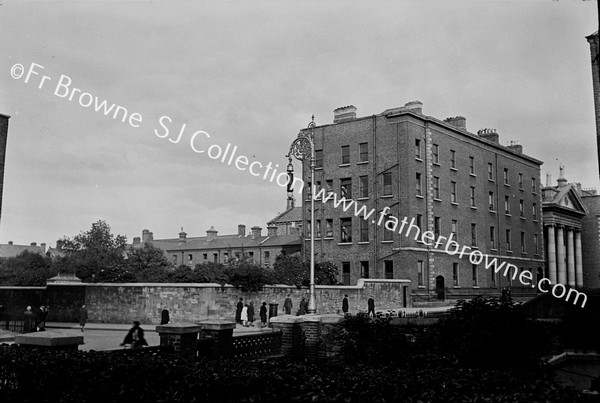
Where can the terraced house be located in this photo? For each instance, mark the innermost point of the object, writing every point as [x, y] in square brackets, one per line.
[444, 179]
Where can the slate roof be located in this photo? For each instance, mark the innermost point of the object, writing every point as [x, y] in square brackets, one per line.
[290, 215]
[7, 250]
[231, 241]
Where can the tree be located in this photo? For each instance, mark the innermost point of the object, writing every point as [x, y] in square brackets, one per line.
[148, 264]
[96, 255]
[248, 276]
[291, 270]
[26, 269]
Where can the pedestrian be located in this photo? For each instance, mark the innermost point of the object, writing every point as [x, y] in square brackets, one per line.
[263, 314]
[287, 305]
[371, 305]
[345, 305]
[164, 317]
[302, 309]
[244, 315]
[29, 322]
[251, 313]
[83, 316]
[135, 336]
[40, 320]
[238, 311]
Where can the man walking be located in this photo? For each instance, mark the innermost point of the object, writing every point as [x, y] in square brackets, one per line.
[287, 305]
[238, 311]
[83, 316]
[345, 305]
[371, 305]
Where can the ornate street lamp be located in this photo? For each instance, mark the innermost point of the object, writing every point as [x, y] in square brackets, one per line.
[303, 148]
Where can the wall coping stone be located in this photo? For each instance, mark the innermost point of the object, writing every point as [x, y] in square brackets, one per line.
[48, 338]
[287, 319]
[178, 328]
[216, 324]
[331, 318]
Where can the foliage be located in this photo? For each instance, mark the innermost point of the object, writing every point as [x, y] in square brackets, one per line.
[26, 269]
[326, 273]
[153, 376]
[291, 270]
[248, 276]
[148, 264]
[211, 272]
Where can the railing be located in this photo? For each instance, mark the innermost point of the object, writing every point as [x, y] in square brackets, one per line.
[402, 314]
[256, 345]
[12, 322]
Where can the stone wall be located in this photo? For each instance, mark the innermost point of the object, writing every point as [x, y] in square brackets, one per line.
[124, 303]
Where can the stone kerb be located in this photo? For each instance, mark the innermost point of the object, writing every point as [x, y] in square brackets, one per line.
[183, 337]
[50, 339]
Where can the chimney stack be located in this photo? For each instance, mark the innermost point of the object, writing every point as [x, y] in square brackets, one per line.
[241, 230]
[59, 244]
[10, 242]
[43, 246]
[457, 121]
[182, 236]
[344, 114]
[33, 244]
[136, 240]
[211, 233]
[256, 232]
[488, 134]
[415, 106]
[147, 236]
[516, 147]
[271, 230]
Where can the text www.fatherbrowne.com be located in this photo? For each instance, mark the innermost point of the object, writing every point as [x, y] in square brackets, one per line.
[407, 228]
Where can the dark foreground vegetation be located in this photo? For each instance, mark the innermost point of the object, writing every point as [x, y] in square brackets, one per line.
[486, 351]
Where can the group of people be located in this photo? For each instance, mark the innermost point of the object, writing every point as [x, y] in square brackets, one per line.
[244, 313]
[288, 305]
[35, 322]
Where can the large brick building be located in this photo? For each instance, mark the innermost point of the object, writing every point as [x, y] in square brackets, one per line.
[443, 178]
[3, 138]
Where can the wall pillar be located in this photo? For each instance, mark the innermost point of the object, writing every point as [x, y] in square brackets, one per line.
[311, 327]
[562, 264]
[570, 258]
[50, 339]
[183, 337]
[551, 248]
[221, 331]
[292, 338]
[578, 260]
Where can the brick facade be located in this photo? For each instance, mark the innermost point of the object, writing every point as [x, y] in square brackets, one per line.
[3, 138]
[443, 166]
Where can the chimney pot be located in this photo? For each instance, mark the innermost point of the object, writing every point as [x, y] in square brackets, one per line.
[10, 242]
[33, 244]
[272, 230]
[211, 233]
[488, 134]
[241, 230]
[344, 114]
[457, 121]
[256, 232]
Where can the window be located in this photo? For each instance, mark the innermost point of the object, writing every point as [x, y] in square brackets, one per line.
[420, 222]
[251, 256]
[174, 259]
[472, 196]
[535, 244]
[363, 186]
[190, 259]
[364, 230]
[506, 205]
[436, 153]
[453, 197]
[455, 229]
[490, 171]
[345, 154]
[363, 152]
[329, 228]
[345, 229]
[308, 229]
[318, 229]
[308, 190]
[346, 188]
[418, 149]
[216, 257]
[318, 158]
[388, 269]
[387, 184]
[533, 185]
[346, 273]
[436, 187]
[419, 185]
[455, 274]
[521, 208]
[364, 269]
[436, 226]
[473, 234]
[491, 201]
[452, 159]
[506, 176]
[522, 242]
[493, 278]
[319, 186]
[492, 238]
[472, 165]
[520, 181]
[474, 270]
[267, 259]
[387, 234]
[534, 211]
[329, 186]
[508, 244]
[420, 274]
[205, 256]
[225, 257]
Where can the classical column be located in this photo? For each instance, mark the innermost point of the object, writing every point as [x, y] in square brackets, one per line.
[560, 245]
[578, 260]
[551, 250]
[570, 257]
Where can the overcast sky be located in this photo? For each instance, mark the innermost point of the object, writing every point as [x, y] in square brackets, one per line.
[252, 74]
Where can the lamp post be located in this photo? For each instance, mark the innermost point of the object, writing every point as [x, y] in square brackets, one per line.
[303, 148]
